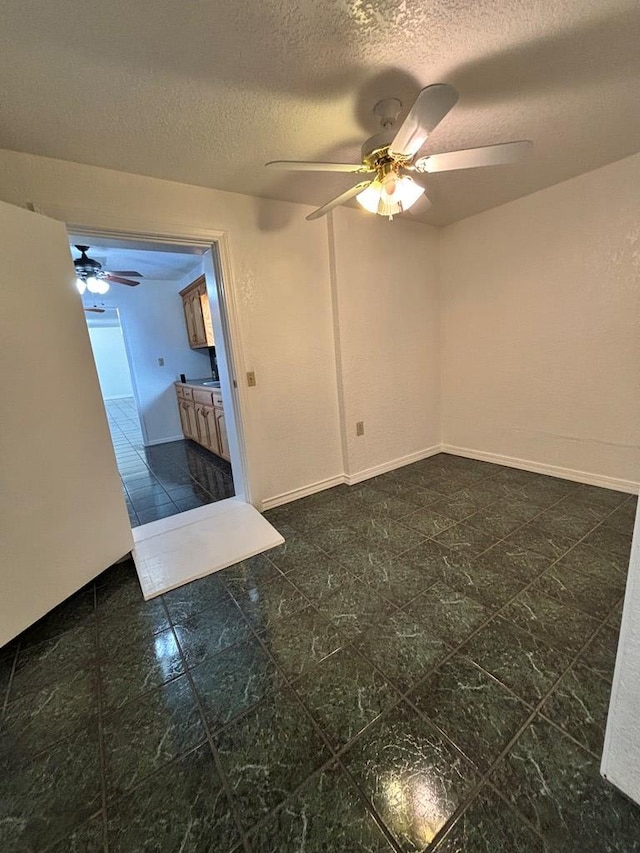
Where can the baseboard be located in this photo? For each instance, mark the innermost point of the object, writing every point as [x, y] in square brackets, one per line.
[349, 479]
[400, 462]
[615, 483]
[302, 492]
[179, 437]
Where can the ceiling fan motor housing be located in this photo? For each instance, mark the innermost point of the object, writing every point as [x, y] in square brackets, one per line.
[86, 267]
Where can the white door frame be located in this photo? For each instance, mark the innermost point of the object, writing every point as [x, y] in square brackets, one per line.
[218, 243]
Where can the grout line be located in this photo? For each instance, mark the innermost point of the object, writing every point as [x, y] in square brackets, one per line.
[209, 737]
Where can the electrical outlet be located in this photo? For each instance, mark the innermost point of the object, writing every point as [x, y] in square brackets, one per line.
[359, 427]
[251, 379]
[161, 362]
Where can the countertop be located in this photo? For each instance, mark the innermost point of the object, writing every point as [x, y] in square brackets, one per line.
[199, 383]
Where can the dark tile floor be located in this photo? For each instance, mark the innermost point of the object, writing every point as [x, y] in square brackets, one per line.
[164, 479]
[424, 665]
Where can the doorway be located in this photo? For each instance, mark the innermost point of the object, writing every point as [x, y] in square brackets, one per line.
[140, 338]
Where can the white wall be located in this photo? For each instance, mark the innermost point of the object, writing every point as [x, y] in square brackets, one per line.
[280, 276]
[153, 326]
[541, 328]
[111, 361]
[621, 752]
[386, 295]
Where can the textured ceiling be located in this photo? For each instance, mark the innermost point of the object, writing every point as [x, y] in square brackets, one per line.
[153, 264]
[206, 92]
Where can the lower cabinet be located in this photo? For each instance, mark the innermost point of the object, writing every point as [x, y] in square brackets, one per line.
[203, 421]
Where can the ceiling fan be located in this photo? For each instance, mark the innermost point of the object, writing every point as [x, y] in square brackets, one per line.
[91, 276]
[390, 158]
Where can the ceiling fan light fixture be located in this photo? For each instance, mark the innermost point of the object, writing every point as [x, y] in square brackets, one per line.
[81, 285]
[97, 285]
[391, 195]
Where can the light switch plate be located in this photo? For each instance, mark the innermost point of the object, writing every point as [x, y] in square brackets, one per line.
[251, 378]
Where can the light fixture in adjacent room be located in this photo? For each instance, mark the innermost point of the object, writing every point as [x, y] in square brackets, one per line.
[97, 285]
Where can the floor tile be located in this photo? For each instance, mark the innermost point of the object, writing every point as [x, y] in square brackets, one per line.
[461, 505]
[78, 611]
[88, 837]
[467, 539]
[210, 631]
[195, 597]
[411, 775]
[509, 558]
[428, 522]
[476, 712]
[319, 578]
[581, 590]
[354, 607]
[344, 694]
[564, 627]
[609, 568]
[295, 552]
[267, 753]
[150, 732]
[360, 556]
[579, 705]
[479, 581]
[623, 518]
[44, 663]
[36, 721]
[402, 648]
[326, 815]
[488, 824]
[47, 797]
[610, 541]
[133, 670]
[535, 536]
[126, 626]
[406, 491]
[263, 605]
[600, 654]
[298, 642]
[558, 787]
[235, 680]
[448, 613]
[524, 663]
[398, 579]
[181, 807]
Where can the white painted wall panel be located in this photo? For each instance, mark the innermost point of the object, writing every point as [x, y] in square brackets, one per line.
[111, 362]
[541, 327]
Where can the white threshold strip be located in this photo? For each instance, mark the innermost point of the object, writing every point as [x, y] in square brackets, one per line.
[176, 550]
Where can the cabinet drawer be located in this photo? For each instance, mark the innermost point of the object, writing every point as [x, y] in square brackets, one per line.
[202, 396]
[187, 393]
[179, 390]
[216, 396]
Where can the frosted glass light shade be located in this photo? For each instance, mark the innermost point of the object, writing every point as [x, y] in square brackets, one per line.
[97, 285]
[390, 196]
[81, 285]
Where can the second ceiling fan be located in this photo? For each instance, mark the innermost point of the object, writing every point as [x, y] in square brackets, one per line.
[91, 275]
[390, 158]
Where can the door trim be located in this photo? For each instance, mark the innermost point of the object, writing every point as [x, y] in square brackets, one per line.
[218, 242]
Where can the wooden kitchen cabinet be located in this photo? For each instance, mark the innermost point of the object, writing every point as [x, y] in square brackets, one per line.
[197, 314]
[202, 417]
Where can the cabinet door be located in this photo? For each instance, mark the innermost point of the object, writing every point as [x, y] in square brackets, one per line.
[207, 428]
[221, 428]
[188, 419]
[187, 304]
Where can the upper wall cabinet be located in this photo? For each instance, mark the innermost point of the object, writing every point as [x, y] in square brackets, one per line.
[197, 314]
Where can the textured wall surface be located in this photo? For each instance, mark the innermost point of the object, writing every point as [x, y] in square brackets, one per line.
[621, 754]
[280, 273]
[386, 292]
[111, 361]
[541, 326]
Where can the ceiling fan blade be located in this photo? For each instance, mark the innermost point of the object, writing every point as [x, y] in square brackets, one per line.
[339, 200]
[95, 310]
[125, 273]
[470, 158]
[117, 280]
[430, 107]
[304, 166]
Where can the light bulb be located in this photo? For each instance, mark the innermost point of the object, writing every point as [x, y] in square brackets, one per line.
[394, 194]
[81, 285]
[97, 285]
